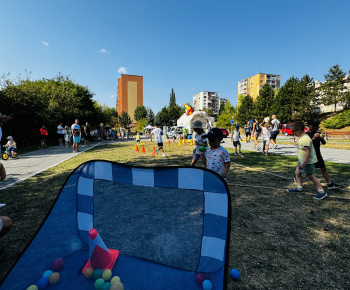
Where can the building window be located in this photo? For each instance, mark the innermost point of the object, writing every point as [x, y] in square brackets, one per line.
[262, 76]
[262, 82]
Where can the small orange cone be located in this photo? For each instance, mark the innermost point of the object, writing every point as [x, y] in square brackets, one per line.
[143, 149]
[154, 151]
[137, 148]
[169, 141]
[145, 142]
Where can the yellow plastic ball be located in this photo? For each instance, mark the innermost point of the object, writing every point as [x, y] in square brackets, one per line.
[88, 273]
[115, 279]
[53, 279]
[32, 287]
[107, 274]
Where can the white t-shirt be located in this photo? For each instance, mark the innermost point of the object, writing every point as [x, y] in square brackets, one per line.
[216, 159]
[266, 134]
[157, 132]
[60, 129]
[236, 135]
[75, 127]
[199, 138]
[276, 125]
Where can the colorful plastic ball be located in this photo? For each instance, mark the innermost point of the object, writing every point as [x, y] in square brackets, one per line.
[235, 275]
[57, 265]
[88, 273]
[117, 286]
[53, 279]
[106, 286]
[97, 274]
[202, 149]
[207, 285]
[107, 274]
[47, 274]
[115, 279]
[99, 283]
[32, 287]
[200, 279]
[42, 283]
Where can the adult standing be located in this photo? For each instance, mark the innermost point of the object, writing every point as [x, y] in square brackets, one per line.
[87, 131]
[248, 131]
[276, 124]
[76, 132]
[256, 132]
[43, 136]
[122, 132]
[60, 134]
[207, 127]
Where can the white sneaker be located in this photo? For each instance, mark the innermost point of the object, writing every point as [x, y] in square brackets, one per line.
[2, 205]
[163, 154]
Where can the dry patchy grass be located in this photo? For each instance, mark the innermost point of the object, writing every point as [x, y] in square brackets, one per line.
[278, 240]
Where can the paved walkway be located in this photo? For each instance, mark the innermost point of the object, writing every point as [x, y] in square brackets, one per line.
[332, 155]
[34, 162]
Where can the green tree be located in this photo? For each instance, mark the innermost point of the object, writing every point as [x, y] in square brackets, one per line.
[140, 113]
[245, 110]
[162, 117]
[124, 119]
[141, 124]
[174, 113]
[150, 117]
[264, 101]
[334, 90]
[172, 101]
[225, 118]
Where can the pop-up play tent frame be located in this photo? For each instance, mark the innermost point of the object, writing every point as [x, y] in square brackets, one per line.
[169, 224]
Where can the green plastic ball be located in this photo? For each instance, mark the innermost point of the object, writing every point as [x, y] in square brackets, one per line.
[97, 274]
[32, 287]
[202, 149]
[115, 279]
[107, 274]
[99, 283]
[106, 286]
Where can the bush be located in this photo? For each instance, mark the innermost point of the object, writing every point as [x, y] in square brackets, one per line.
[339, 121]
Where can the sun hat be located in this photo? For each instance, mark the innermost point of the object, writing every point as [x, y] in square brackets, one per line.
[197, 125]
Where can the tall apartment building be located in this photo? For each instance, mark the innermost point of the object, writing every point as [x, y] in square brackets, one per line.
[130, 94]
[252, 85]
[207, 100]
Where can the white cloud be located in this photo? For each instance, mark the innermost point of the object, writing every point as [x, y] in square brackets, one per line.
[45, 43]
[102, 51]
[123, 70]
[112, 96]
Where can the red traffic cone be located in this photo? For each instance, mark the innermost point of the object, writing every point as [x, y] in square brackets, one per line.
[143, 149]
[137, 148]
[169, 141]
[100, 256]
[154, 151]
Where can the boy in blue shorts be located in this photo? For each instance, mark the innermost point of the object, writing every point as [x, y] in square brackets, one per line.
[307, 158]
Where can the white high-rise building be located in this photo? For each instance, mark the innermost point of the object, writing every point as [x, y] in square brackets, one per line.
[207, 100]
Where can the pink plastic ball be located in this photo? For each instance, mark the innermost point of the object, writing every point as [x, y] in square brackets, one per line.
[57, 265]
[200, 279]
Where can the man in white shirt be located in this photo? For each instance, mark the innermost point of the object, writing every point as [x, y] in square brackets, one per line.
[60, 133]
[275, 130]
[157, 132]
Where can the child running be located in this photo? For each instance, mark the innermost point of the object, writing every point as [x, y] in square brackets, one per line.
[235, 137]
[256, 133]
[217, 157]
[138, 138]
[266, 130]
[317, 139]
[307, 158]
[157, 132]
[200, 141]
[11, 146]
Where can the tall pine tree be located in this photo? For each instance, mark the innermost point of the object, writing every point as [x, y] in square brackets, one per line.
[172, 101]
[262, 105]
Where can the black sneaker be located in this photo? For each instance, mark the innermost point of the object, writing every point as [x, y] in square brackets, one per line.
[332, 185]
[320, 195]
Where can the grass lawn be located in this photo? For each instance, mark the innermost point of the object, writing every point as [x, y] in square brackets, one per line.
[278, 240]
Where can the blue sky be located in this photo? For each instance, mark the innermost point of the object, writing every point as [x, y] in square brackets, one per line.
[191, 46]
